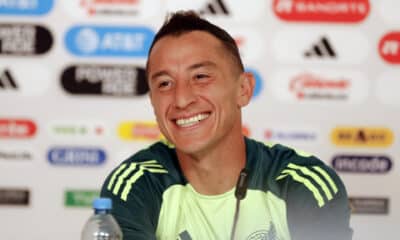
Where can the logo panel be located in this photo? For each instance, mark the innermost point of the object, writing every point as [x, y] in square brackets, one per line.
[74, 156]
[25, 7]
[24, 39]
[362, 136]
[112, 9]
[16, 78]
[80, 198]
[389, 47]
[77, 129]
[336, 11]
[108, 80]
[219, 9]
[139, 131]
[369, 205]
[318, 85]
[17, 128]
[317, 45]
[109, 41]
[362, 163]
[11, 153]
[14, 196]
[291, 135]
[387, 86]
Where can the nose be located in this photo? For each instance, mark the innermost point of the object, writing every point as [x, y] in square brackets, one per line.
[184, 95]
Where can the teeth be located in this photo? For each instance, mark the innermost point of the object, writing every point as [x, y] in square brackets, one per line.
[187, 122]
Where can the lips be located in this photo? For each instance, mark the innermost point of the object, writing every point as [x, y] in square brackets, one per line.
[190, 121]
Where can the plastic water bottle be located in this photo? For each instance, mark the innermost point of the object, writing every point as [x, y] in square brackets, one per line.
[101, 225]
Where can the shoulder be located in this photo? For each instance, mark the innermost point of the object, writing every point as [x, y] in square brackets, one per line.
[148, 172]
[294, 172]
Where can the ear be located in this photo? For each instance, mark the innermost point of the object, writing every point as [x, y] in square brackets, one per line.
[246, 88]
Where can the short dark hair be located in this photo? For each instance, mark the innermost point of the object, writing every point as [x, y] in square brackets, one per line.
[186, 21]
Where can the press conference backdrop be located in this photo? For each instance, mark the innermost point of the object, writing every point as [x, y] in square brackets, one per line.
[73, 98]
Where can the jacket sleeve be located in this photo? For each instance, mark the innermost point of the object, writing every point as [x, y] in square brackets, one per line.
[317, 203]
[136, 211]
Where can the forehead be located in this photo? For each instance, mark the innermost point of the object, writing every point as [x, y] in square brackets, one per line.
[184, 49]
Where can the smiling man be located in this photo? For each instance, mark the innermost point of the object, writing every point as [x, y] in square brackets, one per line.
[185, 188]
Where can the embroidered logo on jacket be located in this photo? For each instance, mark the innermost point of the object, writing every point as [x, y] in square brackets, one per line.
[264, 234]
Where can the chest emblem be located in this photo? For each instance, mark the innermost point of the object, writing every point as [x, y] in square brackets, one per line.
[264, 234]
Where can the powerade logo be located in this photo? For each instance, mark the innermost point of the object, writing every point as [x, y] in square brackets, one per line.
[342, 11]
[109, 41]
[110, 80]
[70, 156]
[25, 7]
[389, 47]
[362, 163]
[362, 136]
[24, 39]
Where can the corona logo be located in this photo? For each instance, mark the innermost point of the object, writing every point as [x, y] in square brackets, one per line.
[362, 136]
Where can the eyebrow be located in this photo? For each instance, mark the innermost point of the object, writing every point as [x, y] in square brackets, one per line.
[191, 67]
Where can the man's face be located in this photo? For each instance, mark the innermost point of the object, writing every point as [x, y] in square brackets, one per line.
[195, 90]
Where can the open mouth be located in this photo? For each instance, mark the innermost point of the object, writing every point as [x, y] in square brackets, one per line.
[187, 122]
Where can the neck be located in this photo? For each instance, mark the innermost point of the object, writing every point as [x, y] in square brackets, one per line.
[216, 171]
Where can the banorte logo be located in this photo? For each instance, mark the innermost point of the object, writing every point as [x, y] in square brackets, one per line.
[139, 131]
[17, 128]
[339, 11]
[389, 47]
[362, 136]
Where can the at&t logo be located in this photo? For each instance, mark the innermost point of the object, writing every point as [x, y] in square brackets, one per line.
[109, 41]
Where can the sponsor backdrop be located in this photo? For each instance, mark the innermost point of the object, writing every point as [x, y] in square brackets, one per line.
[73, 98]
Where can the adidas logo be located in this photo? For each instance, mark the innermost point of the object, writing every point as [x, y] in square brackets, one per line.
[7, 81]
[215, 7]
[321, 49]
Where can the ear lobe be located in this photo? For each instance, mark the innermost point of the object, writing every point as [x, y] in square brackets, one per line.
[247, 83]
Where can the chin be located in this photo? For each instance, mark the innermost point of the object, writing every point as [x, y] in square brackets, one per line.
[189, 147]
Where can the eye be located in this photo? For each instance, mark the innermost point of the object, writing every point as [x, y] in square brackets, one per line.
[200, 76]
[164, 84]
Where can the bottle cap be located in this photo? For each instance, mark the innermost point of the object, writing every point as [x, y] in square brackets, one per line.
[102, 203]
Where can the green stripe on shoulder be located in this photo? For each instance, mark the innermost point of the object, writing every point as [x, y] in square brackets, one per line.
[122, 180]
[318, 182]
